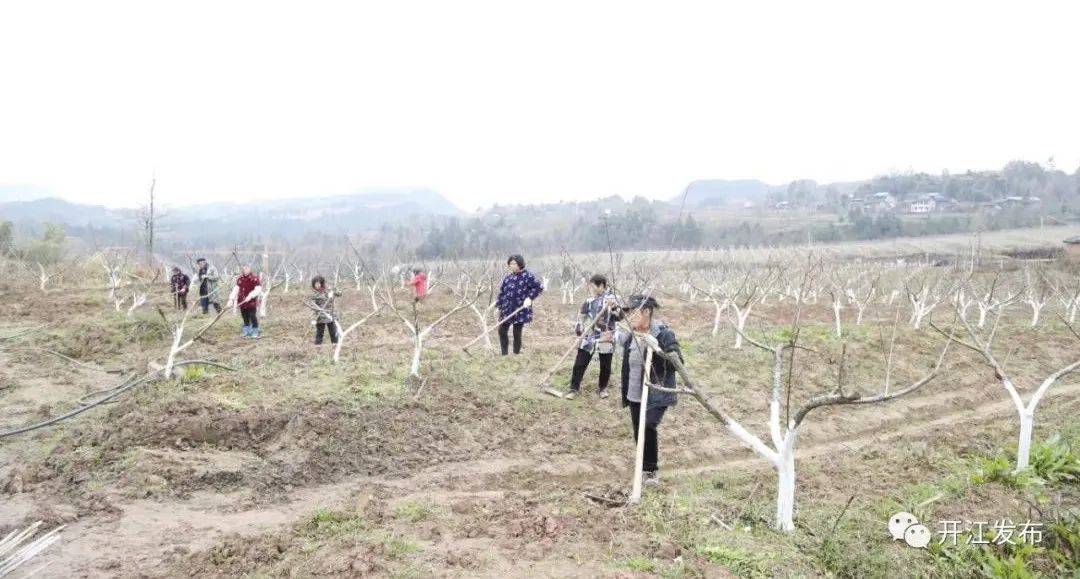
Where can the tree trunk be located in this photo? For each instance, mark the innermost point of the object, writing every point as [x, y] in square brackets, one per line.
[1023, 448]
[414, 367]
[785, 489]
[836, 317]
[340, 341]
[741, 316]
[171, 359]
[716, 319]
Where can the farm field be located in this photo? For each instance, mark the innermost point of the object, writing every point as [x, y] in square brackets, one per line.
[268, 458]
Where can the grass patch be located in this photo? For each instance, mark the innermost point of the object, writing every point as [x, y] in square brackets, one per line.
[739, 561]
[639, 564]
[414, 511]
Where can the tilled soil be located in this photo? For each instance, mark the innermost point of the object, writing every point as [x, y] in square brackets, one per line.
[165, 483]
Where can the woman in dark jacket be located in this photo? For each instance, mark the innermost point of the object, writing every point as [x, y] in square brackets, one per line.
[639, 313]
[322, 298]
[519, 288]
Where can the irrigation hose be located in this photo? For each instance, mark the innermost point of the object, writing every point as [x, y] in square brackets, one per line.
[110, 394]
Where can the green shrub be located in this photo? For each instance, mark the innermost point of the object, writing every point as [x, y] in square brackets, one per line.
[1054, 462]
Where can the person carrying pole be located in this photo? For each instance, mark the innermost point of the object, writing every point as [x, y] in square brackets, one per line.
[207, 277]
[598, 316]
[180, 283]
[519, 288]
[639, 314]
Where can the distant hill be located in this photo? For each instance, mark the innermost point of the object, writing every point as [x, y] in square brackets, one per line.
[227, 222]
[53, 210]
[10, 193]
[721, 192]
[365, 209]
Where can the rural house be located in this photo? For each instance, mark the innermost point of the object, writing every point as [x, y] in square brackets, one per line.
[1072, 248]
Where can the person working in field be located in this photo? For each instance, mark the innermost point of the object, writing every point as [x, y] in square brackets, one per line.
[598, 318]
[245, 296]
[179, 282]
[323, 300]
[419, 284]
[639, 314]
[519, 288]
[207, 277]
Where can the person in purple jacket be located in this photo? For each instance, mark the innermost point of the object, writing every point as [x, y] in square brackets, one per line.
[519, 288]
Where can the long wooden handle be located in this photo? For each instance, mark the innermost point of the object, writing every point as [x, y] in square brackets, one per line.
[576, 344]
[497, 324]
[639, 459]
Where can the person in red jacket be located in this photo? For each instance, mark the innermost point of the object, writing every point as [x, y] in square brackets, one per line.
[248, 290]
[419, 283]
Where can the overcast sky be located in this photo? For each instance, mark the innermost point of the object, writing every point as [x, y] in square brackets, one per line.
[512, 101]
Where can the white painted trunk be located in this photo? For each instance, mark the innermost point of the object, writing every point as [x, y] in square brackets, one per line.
[1023, 448]
[171, 359]
[262, 302]
[418, 346]
[1036, 311]
[836, 317]
[716, 318]
[480, 315]
[741, 317]
[785, 491]
[919, 314]
[340, 341]
[136, 301]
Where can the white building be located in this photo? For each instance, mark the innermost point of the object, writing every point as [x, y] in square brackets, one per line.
[920, 206]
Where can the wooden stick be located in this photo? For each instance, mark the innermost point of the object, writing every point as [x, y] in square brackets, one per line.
[551, 372]
[575, 346]
[639, 460]
[488, 330]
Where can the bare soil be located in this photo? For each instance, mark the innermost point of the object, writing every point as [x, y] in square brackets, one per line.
[294, 466]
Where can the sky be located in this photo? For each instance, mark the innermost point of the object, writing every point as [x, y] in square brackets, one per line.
[509, 101]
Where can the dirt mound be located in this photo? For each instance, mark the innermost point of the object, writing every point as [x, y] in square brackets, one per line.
[158, 446]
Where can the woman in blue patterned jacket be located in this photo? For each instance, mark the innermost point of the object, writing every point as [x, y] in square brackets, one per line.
[519, 288]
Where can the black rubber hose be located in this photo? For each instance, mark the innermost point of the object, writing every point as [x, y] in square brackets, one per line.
[111, 394]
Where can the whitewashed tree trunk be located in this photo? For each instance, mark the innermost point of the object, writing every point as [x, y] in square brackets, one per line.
[482, 316]
[263, 300]
[1023, 447]
[1037, 306]
[1026, 412]
[741, 315]
[418, 346]
[174, 348]
[837, 307]
[137, 300]
[785, 487]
